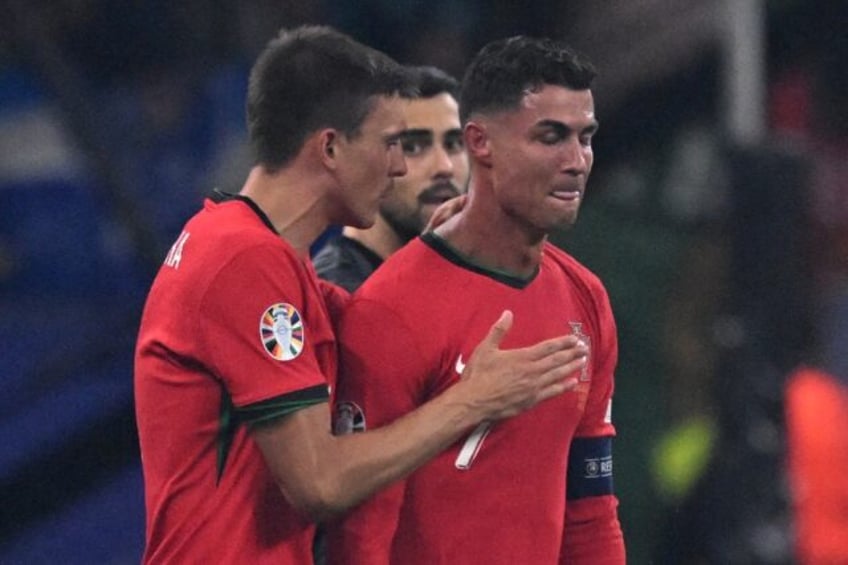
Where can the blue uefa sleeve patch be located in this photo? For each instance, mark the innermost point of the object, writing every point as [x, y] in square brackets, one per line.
[589, 468]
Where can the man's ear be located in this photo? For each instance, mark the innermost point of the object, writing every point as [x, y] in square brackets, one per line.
[327, 142]
[477, 142]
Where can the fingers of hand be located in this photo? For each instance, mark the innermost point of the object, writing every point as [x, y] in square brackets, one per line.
[554, 346]
[556, 388]
[498, 330]
[546, 362]
[445, 212]
[552, 353]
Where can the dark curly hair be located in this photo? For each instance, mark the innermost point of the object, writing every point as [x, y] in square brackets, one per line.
[503, 71]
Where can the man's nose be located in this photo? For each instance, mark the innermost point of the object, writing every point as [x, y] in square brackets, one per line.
[397, 162]
[576, 157]
[443, 164]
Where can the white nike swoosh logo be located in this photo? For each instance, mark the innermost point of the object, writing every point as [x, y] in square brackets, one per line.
[460, 366]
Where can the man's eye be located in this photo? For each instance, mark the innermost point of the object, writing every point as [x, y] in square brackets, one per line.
[550, 138]
[454, 145]
[412, 147]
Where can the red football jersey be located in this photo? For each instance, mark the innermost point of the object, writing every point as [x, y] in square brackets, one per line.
[235, 331]
[499, 494]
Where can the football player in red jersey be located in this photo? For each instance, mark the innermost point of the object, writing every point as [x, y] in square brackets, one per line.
[536, 488]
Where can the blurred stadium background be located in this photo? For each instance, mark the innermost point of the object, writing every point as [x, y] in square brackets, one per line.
[717, 215]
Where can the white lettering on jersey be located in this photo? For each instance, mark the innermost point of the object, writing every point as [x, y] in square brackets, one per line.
[472, 446]
[175, 255]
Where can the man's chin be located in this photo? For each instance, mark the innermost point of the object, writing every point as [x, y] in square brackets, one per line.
[365, 223]
[565, 225]
[361, 221]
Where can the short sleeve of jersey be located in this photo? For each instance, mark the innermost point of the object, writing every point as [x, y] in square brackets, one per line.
[597, 418]
[254, 324]
[592, 532]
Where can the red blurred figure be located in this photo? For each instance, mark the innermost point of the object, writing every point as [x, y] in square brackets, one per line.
[817, 434]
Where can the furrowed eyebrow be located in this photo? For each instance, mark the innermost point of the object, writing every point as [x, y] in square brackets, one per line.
[559, 127]
[416, 135]
[564, 130]
[453, 134]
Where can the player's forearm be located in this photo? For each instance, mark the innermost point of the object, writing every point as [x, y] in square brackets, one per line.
[322, 475]
[365, 463]
[372, 460]
[499, 385]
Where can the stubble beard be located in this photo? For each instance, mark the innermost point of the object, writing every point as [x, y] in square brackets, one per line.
[409, 223]
[407, 226]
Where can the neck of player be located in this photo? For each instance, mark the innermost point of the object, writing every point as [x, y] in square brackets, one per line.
[293, 202]
[380, 238]
[492, 239]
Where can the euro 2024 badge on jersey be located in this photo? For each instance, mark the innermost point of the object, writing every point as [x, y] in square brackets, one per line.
[281, 331]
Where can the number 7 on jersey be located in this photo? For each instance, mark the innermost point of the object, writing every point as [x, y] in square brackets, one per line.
[472, 446]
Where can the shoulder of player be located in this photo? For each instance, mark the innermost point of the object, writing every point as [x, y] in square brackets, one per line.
[242, 250]
[400, 291]
[403, 274]
[566, 262]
